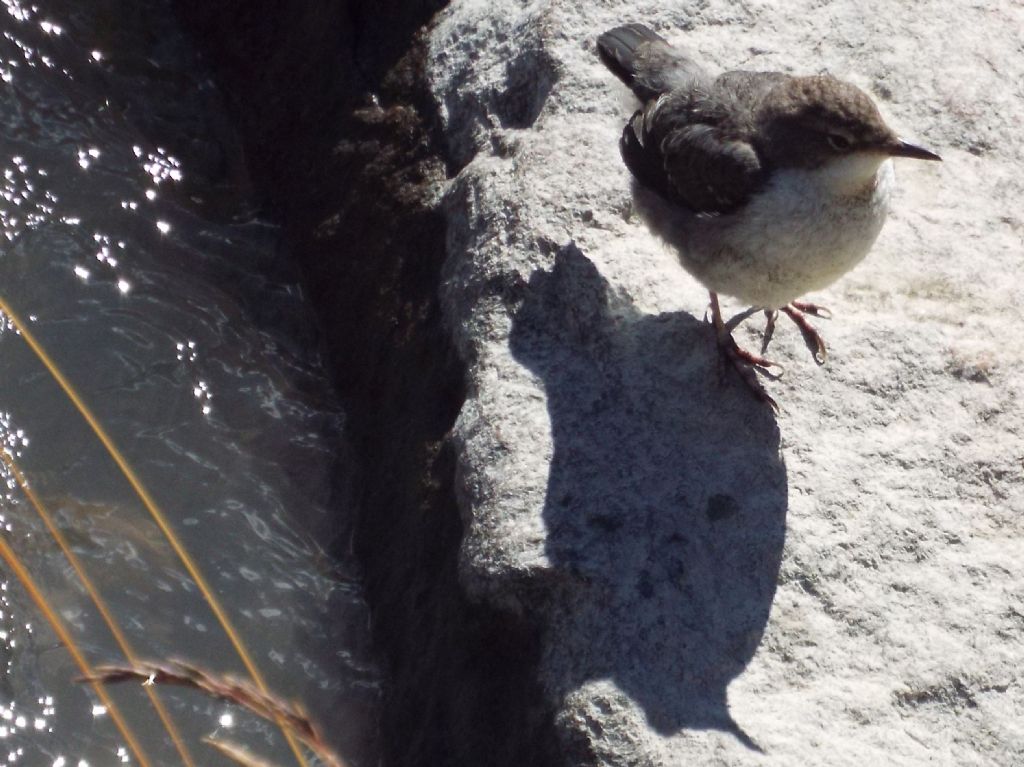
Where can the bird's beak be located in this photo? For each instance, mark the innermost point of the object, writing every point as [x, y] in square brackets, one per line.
[901, 148]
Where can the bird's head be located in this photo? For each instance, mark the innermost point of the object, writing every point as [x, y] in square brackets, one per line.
[820, 121]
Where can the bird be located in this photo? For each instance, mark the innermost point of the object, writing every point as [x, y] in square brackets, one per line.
[769, 186]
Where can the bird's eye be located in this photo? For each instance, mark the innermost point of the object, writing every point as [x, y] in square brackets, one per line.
[838, 142]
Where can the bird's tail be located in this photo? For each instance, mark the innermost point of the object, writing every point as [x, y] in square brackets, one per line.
[644, 61]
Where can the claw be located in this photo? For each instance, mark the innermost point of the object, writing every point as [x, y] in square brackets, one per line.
[812, 338]
[745, 363]
[733, 351]
[813, 309]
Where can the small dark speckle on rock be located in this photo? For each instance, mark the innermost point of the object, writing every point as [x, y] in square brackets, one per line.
[721, 507]
[976, 368]
[952, 694]
[882, 90]
[605, 522]
[978, 148]
[644, 586]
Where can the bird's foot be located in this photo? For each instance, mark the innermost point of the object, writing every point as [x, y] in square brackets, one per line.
[813, 309]
[748, 365]
[796, 311]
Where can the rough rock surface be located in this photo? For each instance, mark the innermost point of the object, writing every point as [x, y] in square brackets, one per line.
[842, 584]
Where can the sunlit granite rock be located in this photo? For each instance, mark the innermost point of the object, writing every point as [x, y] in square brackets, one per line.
[841, 584]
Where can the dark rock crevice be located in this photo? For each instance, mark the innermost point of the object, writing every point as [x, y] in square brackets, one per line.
[342, 145]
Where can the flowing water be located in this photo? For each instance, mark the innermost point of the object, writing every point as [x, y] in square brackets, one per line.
[131, 252]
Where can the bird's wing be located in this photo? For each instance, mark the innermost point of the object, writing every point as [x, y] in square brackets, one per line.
[644, 60]
[693, 146]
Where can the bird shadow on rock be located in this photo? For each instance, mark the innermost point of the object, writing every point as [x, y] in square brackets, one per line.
[666, 500]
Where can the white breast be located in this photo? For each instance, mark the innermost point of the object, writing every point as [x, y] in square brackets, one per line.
[802, 233]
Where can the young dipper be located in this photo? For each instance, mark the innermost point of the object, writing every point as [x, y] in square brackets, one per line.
[768, 185]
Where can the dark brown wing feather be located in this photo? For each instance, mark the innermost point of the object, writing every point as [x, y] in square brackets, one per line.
[708, 171]
[693, 145]
[644, 162]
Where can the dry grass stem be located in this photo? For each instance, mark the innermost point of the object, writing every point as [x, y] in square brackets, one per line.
[287, 714]
[236, 753]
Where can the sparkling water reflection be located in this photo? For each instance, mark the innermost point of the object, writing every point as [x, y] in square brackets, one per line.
[129, 247]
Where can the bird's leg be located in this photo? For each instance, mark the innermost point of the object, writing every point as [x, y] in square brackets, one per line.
[723, 333]
[769, 328]
[812, 338]
[742, 361]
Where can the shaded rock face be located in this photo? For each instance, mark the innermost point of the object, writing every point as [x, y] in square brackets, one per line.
[838, 585]
[339, 131]
[677, 580]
